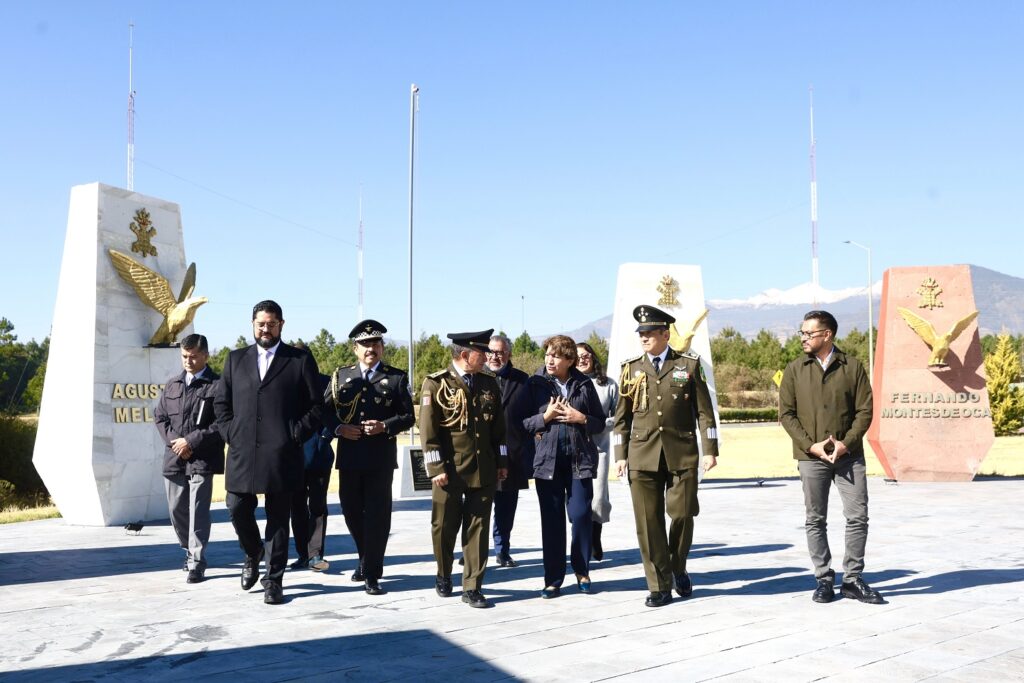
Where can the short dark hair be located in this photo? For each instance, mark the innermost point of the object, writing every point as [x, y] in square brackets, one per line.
[457, 350]
[562, 346]
[195, 341]
[824, 318]
[268, 306]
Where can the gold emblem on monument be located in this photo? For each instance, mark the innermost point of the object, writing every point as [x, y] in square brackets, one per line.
[144, 231]
[154, 290]
[668, 288]
[929, 291]
[680, 343]
[939, 344]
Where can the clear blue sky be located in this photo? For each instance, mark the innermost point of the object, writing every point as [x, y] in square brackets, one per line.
[556, 141]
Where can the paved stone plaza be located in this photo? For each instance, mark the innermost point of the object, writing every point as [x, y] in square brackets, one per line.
[82, 603]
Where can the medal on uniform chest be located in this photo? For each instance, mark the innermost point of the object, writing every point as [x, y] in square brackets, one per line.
[680, 376]
[384, 381]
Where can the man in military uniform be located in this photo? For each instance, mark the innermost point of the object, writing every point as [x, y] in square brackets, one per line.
[664, 407]
[462, 427]
[371, 406]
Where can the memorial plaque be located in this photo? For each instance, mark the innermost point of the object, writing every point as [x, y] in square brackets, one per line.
[412, 480]
[932, 420]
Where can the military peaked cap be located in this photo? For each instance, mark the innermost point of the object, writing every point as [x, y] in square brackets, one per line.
[472, 340]
[367, 330]
[651, 318]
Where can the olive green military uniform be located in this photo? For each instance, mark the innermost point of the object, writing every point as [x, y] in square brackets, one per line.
[463, 435]
[656, 432]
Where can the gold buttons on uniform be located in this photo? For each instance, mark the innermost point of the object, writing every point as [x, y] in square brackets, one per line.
[659, 412]
[659, 398]
[661, 429]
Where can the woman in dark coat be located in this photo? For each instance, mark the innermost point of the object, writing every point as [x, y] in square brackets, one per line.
[564, 411]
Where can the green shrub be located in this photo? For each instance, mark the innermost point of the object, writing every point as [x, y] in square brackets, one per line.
[748, 414]
[18, 437]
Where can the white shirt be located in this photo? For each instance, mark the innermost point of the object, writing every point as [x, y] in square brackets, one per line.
[828, 358]
[265, 357]
[373, 371]
[189, 376]
[662, 356]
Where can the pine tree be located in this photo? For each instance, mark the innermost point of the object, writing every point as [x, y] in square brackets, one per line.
[1004, 369]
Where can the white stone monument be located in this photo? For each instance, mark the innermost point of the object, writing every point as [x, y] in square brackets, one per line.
[675, 289]
[97, 448]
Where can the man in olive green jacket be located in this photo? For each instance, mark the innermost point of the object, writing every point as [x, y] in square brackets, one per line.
[664, 409]
[825, 407]
[462, 427]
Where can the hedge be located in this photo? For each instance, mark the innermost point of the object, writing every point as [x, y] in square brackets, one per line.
[748, 414]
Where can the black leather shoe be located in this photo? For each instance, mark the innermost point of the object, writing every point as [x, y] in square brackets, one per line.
[443, 586]
[658, 598]
[506, 561]
[858, 590]
[825, 592]
[358, 575]
[549, 592]
[196, 575]
[683, 585]
[251, 571]
[373, 588]
[301, 563]
[475, 599]
[272, 594]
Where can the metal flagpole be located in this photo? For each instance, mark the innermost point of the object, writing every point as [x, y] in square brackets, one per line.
[414, 98]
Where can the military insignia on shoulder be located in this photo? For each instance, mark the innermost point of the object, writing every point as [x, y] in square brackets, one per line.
[439, 374]
[690, 354]
[633, 359]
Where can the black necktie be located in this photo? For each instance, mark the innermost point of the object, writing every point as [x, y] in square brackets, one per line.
[657, 363]
[369, 373]
[468, 379]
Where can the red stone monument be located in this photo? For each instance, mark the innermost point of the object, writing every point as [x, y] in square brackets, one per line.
[932, 418]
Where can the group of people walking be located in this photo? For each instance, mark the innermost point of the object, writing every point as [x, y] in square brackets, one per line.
[486, 428]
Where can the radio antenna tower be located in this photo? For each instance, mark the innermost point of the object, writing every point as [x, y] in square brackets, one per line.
[360, 258]
[814, 211]
[131, 110]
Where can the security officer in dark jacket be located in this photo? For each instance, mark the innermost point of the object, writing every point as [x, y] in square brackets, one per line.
[368, 406]
[309, 504]
[512, 382]
[664, 408]
[194, 453]
[462, 427]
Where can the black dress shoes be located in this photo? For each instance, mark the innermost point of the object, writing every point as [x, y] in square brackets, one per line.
[475, 598]
[373, 588]
[658, 598]
[273, 594]
[358, 575]
[301, 563]
[443, 586]
[251, 571]
[506, 561]
[858, 590]
[683, 585]
[825, 592]
[196, 575]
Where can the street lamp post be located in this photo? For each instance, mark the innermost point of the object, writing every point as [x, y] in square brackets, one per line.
[871, 313]
[414, 97]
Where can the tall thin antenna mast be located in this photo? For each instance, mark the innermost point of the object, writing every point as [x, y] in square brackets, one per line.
[131, 109]
[814, 211]
[360, 262]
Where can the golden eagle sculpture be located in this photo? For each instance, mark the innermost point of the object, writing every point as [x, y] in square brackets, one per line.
[680, 343]
[939, 344]
[155, 291]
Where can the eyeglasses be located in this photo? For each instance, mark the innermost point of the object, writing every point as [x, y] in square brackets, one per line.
[494, 353]
[585, 356]
[266, 326]
[811, 335]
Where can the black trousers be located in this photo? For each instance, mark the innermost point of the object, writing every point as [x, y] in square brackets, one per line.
[242, 508]
[309, 515]
[366, 504]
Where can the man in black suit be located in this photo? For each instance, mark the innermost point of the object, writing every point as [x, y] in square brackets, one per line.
[267, 406]
[371, 406]
[520, 446]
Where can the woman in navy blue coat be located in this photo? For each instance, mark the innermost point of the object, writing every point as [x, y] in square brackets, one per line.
[564, 412]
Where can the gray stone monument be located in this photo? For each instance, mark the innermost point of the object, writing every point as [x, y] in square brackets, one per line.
[97, 448]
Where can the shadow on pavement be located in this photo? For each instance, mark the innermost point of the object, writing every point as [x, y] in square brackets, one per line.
[944, 583]
[413, 655]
